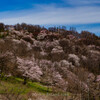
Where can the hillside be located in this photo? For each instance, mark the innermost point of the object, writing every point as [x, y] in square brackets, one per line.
[65, 61]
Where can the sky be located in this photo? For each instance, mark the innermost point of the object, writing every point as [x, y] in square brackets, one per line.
[82, 14]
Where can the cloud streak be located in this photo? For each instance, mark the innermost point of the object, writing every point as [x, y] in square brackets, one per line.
[51, 14]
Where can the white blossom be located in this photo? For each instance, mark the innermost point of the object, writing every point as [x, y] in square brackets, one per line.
[29, 69]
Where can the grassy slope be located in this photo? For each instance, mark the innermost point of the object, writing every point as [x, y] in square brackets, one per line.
[15, 85]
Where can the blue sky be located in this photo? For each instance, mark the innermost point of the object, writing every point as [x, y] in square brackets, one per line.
[82, 14]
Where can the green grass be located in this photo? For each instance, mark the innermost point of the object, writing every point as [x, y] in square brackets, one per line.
[15, 85]
[7, 87]
[40, 88]
[19, 79]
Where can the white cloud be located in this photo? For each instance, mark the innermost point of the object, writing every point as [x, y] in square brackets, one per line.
[51, 14]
